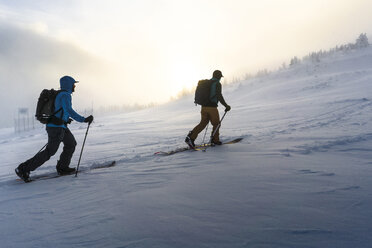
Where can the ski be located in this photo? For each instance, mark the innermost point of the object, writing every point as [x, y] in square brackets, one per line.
[52, 175]
[196, 148]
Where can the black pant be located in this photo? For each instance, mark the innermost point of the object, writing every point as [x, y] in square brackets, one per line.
[56, 135]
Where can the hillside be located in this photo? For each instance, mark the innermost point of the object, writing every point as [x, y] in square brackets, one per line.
[300, 177]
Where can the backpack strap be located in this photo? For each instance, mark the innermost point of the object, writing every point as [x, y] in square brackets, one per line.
[54, 102]
[54, 119]
[213, 91]
[59, 110]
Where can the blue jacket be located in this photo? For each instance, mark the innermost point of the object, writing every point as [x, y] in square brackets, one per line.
[64, 101]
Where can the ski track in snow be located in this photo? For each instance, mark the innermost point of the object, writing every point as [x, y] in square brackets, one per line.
[299, 178]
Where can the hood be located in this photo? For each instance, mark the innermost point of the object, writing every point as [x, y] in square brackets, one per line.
[66, 83]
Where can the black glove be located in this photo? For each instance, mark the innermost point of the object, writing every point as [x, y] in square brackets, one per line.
[69, 121]
[228, 108]
[89, 119]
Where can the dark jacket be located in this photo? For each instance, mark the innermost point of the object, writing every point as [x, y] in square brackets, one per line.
[216, 94]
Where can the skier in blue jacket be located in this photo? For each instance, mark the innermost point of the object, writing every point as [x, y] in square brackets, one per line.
[57, 132]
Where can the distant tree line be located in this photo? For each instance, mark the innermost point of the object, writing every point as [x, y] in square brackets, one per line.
[315, 57]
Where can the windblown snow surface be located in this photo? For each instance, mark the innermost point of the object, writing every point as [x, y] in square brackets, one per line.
[301, 177]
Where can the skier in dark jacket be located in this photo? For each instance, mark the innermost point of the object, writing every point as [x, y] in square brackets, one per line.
[57, 132]
[209, 112]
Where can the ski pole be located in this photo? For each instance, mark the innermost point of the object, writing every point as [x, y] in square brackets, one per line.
[215, 131]
[205, 133]
[33, 160]
[218, 127]
[82, 148]
[42, 148]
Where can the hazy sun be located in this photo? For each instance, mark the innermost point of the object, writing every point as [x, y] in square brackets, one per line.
[184, 75]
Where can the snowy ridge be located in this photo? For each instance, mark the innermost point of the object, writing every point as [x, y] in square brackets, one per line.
[300, 177]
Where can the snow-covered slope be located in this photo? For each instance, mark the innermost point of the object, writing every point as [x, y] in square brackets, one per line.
[300, 177]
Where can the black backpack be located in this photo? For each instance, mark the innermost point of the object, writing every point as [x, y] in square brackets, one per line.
[45, 107]
[203, 92]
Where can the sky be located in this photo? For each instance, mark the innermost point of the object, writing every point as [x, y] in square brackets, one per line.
[146, 51]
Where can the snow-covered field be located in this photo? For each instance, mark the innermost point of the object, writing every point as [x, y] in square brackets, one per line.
[301, 177]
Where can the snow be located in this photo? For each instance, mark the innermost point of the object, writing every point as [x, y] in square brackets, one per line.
[299, 178]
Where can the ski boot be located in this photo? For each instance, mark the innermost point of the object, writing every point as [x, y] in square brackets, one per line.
[190, 141]
[214, 143]
[23, 174]
[64, 170]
